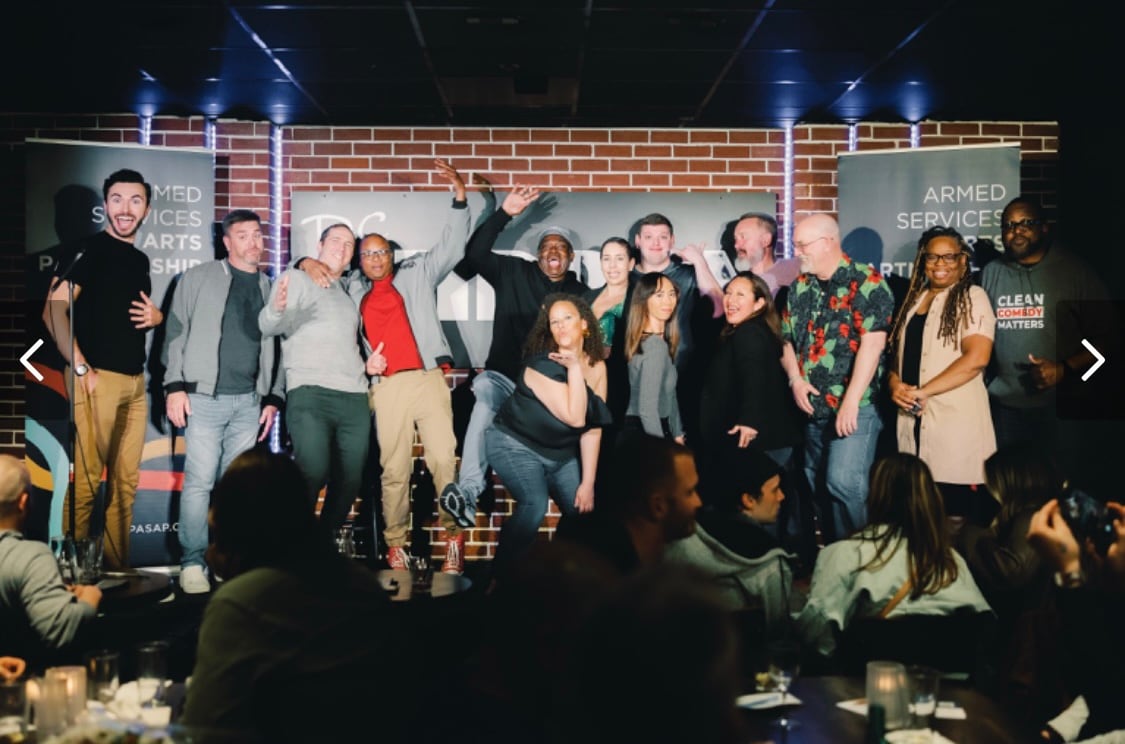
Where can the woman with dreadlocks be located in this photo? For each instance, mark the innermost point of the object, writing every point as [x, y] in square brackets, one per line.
[941, 340]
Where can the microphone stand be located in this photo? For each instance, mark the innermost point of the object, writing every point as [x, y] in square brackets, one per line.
[70, 426]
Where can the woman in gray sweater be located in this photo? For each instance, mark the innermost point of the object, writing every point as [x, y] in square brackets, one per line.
[651, 339]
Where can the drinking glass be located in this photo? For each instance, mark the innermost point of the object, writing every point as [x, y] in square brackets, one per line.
[64, 551]
[103, 675]
[421, 575]
[152, 671]
[924, 683]
[784, 659]
[345, 540]
[13, 709]
[89, 560]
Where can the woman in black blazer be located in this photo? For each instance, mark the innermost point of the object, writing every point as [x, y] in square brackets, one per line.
[746, 400]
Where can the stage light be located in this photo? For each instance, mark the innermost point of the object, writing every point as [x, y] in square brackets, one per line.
[277, 173]
[787, 195]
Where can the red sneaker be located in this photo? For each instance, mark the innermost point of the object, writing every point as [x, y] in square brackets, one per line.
[454, 554]
[397, 558]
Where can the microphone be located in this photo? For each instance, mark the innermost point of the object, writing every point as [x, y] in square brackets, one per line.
[69, 270]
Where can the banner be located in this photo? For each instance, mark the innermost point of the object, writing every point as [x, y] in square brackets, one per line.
[414, 221]
[888, 198]
[65, 203]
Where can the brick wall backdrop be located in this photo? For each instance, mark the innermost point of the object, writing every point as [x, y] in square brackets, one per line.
[398, 159]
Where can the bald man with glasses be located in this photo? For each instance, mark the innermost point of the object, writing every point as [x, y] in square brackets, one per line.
[834, 324]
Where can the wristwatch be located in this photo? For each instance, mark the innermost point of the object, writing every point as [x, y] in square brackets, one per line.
[81, 368]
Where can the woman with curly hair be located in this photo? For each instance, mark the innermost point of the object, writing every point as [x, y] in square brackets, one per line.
[902, 563]
[941, 341]
[546, 437]
[651, 339]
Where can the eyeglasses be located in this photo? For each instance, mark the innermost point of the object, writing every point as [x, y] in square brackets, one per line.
[374, 254]
[947, 259]
[807, 243]
[1021, 225]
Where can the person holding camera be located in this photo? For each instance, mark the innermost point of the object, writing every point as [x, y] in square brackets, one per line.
[1084, 542]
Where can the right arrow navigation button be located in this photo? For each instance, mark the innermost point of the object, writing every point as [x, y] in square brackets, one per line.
[1096, 365]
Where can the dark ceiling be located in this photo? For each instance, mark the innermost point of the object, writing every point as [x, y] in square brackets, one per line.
[578, 63]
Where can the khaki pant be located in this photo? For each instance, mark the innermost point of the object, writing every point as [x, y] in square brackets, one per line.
[109, 436]
[401, 402]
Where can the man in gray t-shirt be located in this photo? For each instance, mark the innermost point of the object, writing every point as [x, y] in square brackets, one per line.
[220, 381]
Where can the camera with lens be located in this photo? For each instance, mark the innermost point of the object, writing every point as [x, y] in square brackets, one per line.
[1088, 518]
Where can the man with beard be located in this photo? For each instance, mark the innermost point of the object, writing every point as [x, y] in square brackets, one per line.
[651, 500]
[834, 327]
[220, 380]
[1037, 348]
[755, 238]
[109, 277]
[325, 380]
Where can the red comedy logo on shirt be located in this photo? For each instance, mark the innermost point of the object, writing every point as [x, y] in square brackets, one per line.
[1020, 311]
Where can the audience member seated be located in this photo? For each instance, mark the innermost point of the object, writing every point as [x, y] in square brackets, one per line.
[296, 644]
[1015, 580]
[649, 501]
[655, 663]
[1003, 562]
[1091, 603]
[513, 680]
[901, 564]
[732, 546]
[40, 616]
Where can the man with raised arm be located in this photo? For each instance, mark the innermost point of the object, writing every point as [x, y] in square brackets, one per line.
[520, 288]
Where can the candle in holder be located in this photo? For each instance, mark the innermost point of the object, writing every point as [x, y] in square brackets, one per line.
[50, 705]
[74, 686]
[886, 686]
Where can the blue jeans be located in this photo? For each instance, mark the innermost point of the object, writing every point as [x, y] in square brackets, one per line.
[841, 466]
[219, 429]
[529, 478]
[490, 389]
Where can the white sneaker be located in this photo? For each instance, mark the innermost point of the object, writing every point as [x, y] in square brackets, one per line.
[194, 581]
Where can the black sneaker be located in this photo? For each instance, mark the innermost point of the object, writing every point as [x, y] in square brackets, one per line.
[461, 506]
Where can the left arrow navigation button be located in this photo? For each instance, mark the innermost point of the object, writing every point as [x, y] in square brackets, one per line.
[28, 365]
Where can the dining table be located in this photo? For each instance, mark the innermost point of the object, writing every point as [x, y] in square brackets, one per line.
[132, 587]
[818, 718]
[400, 587]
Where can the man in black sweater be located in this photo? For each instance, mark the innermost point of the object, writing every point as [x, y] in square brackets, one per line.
[520, 288]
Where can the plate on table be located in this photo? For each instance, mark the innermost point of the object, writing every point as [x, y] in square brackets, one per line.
[109, 583]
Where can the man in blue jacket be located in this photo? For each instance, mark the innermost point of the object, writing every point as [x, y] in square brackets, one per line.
[220, 381]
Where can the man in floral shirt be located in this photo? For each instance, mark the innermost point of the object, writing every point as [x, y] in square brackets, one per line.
[835, 323]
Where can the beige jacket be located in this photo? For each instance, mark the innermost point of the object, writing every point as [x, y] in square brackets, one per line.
[957, 434]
